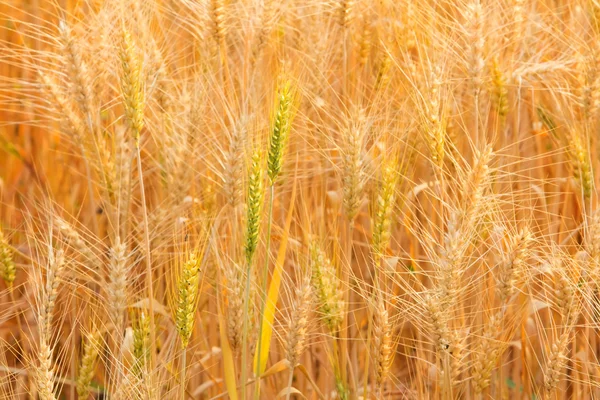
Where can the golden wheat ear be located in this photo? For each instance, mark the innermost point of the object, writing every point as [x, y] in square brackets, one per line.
[384, 203]
[353, 172]
[435, 119]
[298, 321]
[78, 74]
[117, 288]
[234, 166]
[234, 287]
[45, 370]
[132, 84]
[566, 302]
[382, 343]
[8, 270]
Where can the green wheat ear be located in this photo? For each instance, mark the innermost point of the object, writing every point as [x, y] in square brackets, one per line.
[384, 208]
[141, 344]
[88, 363]
[327, 287]
[280, 131]
[254, 205]
[186, 302]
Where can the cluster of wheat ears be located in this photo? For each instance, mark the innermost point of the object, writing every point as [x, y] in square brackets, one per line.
[307, 199]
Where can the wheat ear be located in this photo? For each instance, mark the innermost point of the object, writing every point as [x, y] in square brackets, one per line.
[499, 90]
[487, 353]
[235, 307]
[327, 288]
[132, 84]
[382, 344]
[87, 366]
[385, 201]
[565, 300]
[580, 161]
[74, 239]
[186, 300]
[254, 203]
[218, 20]
[298, 322]
[279, 132]
[141, 345]
[353, 170]
[476, 41]
[186, 309]
[234, 166]
[435, 124]
[512, 264]
[77, 71]
[297, 327]
[344, 12]
[45, 371]
[8, 271]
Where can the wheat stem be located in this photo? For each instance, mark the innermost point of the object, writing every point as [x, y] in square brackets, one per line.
[183, 372]
[263, 301]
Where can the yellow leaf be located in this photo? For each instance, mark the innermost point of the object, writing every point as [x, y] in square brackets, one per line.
[228, 365]
[260, 360]
[281, 365]
[302, 369]
[290, 390]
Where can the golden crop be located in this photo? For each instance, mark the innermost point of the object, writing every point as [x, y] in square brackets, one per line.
[320, 199]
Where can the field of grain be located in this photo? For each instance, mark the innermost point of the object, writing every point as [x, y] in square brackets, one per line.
[299, 199]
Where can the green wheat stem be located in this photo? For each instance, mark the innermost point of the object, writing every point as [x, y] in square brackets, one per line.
[254, 207]
[245, 332]
[148, 257]
[290, 381]
[183, 367]
[264, 286]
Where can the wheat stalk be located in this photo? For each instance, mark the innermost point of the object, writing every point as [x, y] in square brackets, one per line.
[133, 97]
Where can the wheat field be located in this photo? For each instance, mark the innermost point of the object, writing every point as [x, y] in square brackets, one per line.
[299, 199]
